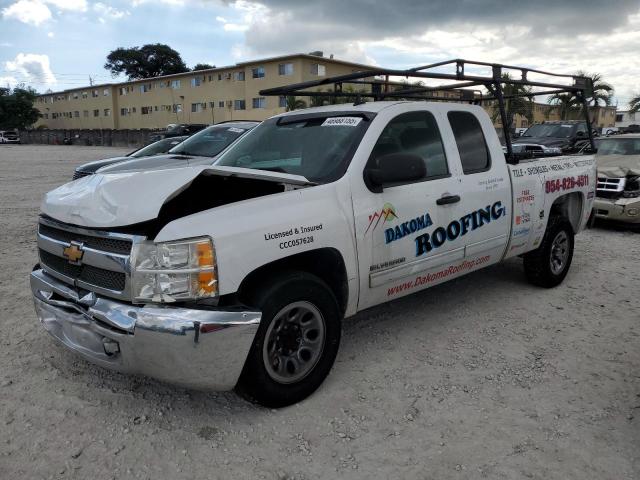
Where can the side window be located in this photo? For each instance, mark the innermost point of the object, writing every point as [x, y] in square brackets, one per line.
[582, 127]
[417, 133]
[470, 140]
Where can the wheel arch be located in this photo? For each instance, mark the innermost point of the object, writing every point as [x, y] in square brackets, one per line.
[325, 263]
[569, 206]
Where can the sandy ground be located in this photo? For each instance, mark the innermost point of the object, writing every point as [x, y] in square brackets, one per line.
[483, 377]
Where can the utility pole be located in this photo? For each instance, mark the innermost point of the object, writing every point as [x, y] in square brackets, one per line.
[90, 81]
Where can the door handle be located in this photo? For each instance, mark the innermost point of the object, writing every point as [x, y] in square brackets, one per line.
[448, 199]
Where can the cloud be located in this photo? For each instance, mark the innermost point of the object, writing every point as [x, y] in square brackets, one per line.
[36, 12]
[32, 68]
[32, 12]
[591, 35]
[107, 12]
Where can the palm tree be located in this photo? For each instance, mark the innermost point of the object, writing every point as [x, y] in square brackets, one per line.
[634, 104]
[601, 91]
[294, 103]
[516, 105]
[567, 103]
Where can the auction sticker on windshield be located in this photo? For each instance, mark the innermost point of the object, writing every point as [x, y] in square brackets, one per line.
[342, 122]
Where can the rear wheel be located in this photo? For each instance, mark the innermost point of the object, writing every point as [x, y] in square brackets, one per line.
[549, 263]
[296, 343]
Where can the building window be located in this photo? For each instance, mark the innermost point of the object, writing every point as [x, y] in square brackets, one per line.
[219, 76]
[239, 105]
[212, 104]
[146, 87]
[619, 117]
[221, 104]
[259, 102]
[76, 114]
[282, 101]
[105, 92]
[175, 84]
[257, 72]
[238, 76]
[145, 110]
[85, 113]
[85, 94]
[155, 108]
[45, 116]
[196, 107]
[196, 81]
[177, 108]
[94, 93]
[124, 111]
[75, 95]
[285, 69]
[122, 90]
[96, 113]
[107, 112]
[317, 69]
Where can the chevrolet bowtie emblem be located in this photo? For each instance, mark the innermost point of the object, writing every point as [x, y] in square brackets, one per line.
[73, 253]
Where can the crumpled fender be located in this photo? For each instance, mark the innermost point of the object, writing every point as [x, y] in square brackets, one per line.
[116, 200]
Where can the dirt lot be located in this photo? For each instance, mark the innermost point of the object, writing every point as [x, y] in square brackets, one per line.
[483, 377]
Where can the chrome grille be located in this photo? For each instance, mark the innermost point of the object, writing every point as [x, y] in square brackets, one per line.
[85, 273]
[106, 244]
[104, 266]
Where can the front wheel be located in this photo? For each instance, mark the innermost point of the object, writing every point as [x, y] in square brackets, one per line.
[296, 343]
[549, 263]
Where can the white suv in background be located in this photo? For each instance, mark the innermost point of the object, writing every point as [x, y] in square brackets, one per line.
[9, 136]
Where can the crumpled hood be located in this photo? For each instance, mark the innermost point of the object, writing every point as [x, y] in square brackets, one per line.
[128, 198]
[617, 166]
[115, 200]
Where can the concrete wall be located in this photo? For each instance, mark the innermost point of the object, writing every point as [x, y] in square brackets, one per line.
[110, 138]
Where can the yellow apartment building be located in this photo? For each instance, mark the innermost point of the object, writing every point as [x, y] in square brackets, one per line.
[205, 96]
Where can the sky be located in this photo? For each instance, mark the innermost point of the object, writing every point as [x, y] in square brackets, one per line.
[59, 44]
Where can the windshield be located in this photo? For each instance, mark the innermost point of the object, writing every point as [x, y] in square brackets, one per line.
[317, 147]
[549, 130]
[209, 142]
[620, 146]
[161, 146]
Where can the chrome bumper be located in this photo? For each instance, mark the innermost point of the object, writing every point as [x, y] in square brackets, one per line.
[202, 349]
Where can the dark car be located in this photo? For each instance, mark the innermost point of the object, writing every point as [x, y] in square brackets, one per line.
[201, 148]
[563, 135]
[180, 129]
[155, 148]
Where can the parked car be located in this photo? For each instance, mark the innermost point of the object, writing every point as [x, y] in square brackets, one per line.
[155, 148]
[9, 136]
[562, 135]
[618, 189]
[240, 274]
[178, 130]
[199, 149]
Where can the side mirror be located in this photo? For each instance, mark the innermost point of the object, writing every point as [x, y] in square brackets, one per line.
[394, 168]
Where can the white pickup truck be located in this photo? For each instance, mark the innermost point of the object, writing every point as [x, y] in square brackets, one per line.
[239, 275]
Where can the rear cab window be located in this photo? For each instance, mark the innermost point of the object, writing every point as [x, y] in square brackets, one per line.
[417, 133]
[471, 142]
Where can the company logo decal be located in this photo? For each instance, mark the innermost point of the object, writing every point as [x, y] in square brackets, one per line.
[74, 253]
[407, 228]
[458, 228]
[387, 214]
[523, 218]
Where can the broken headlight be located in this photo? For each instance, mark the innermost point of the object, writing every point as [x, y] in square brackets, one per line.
[174, 271]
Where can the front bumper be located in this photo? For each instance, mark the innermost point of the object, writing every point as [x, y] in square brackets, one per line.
[202, 349]
[620, 210]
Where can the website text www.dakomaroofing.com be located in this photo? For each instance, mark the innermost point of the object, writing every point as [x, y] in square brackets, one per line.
[432, 277]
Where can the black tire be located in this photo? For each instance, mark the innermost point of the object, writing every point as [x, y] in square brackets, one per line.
[288, 289]
[539, 264]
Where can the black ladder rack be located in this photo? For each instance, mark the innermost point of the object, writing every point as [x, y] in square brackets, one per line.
[381, 88]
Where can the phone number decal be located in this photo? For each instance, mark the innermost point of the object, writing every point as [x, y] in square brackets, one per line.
[567, 183]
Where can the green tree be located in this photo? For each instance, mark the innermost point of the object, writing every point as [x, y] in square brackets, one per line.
[202, 66]
[522, 104]
[567, 104]
[294, 103]
[634, 104]
[16, 107]
[148, 61]
[601, 93]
